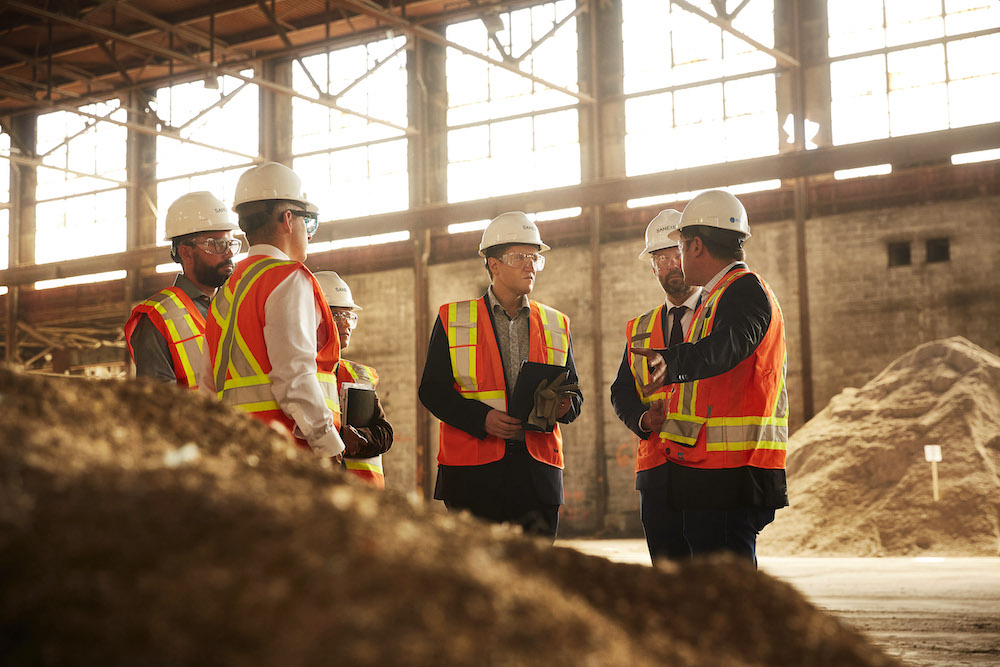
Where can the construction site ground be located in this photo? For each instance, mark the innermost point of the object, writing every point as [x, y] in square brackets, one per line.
[927, 612]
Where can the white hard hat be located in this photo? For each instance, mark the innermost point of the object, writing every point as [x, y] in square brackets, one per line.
[197, 212]
[658, 232]
[511, 227]
[271, 180]
[714, 208]
[335, 290]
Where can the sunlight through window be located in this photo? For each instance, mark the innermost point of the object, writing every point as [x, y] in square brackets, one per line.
[696, 95]
[509, 133]
[908, 90]
[351, 164]
[4, 204]
[80, 210]
[215, 140]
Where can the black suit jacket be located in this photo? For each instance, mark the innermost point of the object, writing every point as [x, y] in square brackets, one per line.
[466, 483]
[743, 316]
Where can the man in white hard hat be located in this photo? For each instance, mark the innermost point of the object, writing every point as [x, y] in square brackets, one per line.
[663, 326]
[367, 442]
[488, 463]
[273, 346]
[724, 435]
[165, 333]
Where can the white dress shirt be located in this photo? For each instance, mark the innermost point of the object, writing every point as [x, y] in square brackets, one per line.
[293, 335]
[691, 303]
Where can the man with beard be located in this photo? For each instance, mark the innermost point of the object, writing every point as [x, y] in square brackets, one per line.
[664, 326]
[721, 445]
[165, 333]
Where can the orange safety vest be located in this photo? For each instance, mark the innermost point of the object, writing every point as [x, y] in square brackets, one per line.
[235, 334]
[732, 420]
[478, 373]
[181, 324]
[369, 469]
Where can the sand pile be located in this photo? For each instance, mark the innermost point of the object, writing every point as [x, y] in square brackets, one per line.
[140, 524]
[857, 478]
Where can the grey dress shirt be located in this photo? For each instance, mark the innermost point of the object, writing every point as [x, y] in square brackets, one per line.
[512, 336]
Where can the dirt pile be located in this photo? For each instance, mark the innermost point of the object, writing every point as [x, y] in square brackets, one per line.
[857, 478]
[140, 524]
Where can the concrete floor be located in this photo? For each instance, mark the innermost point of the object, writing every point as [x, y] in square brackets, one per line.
[928, 612]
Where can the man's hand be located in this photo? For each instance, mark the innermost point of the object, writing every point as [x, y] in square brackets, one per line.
[653, 418]
[353, 441]
[657, 369]
[502, 425]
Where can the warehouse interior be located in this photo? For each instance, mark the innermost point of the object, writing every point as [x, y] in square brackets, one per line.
[862, 138]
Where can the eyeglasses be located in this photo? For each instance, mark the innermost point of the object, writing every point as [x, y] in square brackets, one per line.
[218, 246]
[348, 317]
[311, 220]
[666, 259]
[519, 260]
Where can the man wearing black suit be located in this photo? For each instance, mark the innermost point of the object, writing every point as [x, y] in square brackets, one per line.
[663, 326]
[487, 463]
[725, 428]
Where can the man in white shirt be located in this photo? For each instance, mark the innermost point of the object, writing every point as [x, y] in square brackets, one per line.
[664, 326]
[272, 343]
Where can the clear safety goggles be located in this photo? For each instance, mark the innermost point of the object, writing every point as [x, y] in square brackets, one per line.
[348, 317]
[519, 260]
[311, 220]
[218, 246]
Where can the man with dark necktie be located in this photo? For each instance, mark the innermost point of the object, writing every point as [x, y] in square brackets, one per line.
[664, 326]
[723, 440]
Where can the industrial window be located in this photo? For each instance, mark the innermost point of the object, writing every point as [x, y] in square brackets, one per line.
[4, 205]
[695, 94]
[80, 210]
[938, 250]
[507, 132]
[211, 137]
[907, 66]
[899, 253]
[351, 156]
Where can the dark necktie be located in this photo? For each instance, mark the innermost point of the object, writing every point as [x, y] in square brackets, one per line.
[677, 329]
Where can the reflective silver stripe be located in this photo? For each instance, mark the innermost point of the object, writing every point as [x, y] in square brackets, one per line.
[462, 338]
[254, 393]
[360, 373]
[738, 437]
[555, 334]
[179, 322]
[495, 399]
[641, 336]
[228, 326]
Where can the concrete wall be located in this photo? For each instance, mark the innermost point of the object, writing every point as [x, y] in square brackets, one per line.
[863, 315]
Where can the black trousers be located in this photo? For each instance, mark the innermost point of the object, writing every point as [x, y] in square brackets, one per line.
[516, 489]
[675, 534]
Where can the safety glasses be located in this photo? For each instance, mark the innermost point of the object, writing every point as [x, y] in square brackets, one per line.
[218, 246]
[519, 260]
[311, 220]
[349, 318]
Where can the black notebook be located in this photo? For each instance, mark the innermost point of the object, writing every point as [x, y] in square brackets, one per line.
[522, 400]
[357, 405]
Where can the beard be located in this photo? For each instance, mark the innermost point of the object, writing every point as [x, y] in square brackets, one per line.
[673, 283]
[213, 275]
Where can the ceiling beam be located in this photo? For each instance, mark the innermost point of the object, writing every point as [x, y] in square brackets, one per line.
[914, 149]
[401, 23]
[195, 62]
[780, 56]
